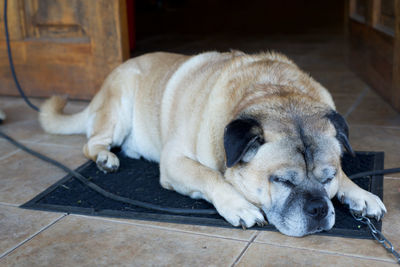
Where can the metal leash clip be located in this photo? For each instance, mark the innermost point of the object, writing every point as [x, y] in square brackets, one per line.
[377, 235]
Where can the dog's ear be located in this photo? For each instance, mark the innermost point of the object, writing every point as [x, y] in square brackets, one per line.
[342, 130]
[242, 138]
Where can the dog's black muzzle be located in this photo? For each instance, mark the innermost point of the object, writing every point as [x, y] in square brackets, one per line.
[316, 208]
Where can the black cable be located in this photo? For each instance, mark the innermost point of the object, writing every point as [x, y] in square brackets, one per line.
[377, 172]
[21, 92]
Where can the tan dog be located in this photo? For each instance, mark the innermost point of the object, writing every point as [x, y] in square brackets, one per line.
[248, 133]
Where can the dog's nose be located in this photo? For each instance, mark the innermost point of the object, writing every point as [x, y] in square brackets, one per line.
[316, 208]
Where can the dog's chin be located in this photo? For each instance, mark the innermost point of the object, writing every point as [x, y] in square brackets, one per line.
[304, 230]
[324, 225]
[301, 226]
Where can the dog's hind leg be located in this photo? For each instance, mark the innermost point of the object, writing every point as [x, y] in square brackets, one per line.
[100, 142]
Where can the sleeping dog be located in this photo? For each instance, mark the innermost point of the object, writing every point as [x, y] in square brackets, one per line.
[252, 134]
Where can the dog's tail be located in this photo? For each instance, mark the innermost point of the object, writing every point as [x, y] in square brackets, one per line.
[53, 120]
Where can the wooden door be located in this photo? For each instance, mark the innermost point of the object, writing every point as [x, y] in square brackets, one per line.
[374, 31]
[62, 46]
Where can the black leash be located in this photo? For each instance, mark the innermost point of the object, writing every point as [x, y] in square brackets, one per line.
[377, 172]
[377, 235]
[10, 60]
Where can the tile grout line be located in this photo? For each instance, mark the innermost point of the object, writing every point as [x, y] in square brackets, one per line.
[41, 142]
[9, 204]
[357, 102]
[160, 228]
[391, 178]
[10, 154]
[5, 254]
[37, 143]
[326, 252]
[245, 249]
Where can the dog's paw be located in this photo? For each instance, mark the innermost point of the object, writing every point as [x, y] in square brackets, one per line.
[107, 162]
[239, 212]
[364, 203]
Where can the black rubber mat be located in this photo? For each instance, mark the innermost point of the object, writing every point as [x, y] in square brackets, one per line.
[138, 179]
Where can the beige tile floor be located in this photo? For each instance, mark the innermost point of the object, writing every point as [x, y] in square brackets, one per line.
[34, 238]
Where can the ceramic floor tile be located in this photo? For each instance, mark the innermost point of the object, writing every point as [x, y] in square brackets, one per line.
[333, 66]
[28, 130]
[233, 233]
[372, 138]
[23, 176]
[22, 124]
[80, 241]
[6, 149]
[358, 247]
[313, 62]
[73, 141]
[18, 224]
[267, 255]
[344, 103]
[17, 110]
[344, 82]
[18, 103]
[7, 101]
[391, 222]
[31, 132]
[67, 140]
[349, 246]
[373, 110]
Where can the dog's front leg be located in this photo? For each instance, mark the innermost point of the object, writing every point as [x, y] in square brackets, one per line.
[191, 178]
[359, 200]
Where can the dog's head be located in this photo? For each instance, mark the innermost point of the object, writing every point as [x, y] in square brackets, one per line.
[288, 162]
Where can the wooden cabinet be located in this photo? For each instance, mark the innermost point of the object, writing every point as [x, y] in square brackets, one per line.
[374, 33]
[62, 46]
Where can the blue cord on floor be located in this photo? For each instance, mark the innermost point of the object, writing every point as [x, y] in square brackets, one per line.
[10, 60]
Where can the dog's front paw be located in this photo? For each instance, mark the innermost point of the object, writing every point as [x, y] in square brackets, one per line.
[364, 203]
[238, 211]
[107, 162]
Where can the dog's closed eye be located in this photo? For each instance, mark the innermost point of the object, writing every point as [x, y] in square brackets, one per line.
[328, 175]
[328, 180]
[280, 180]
